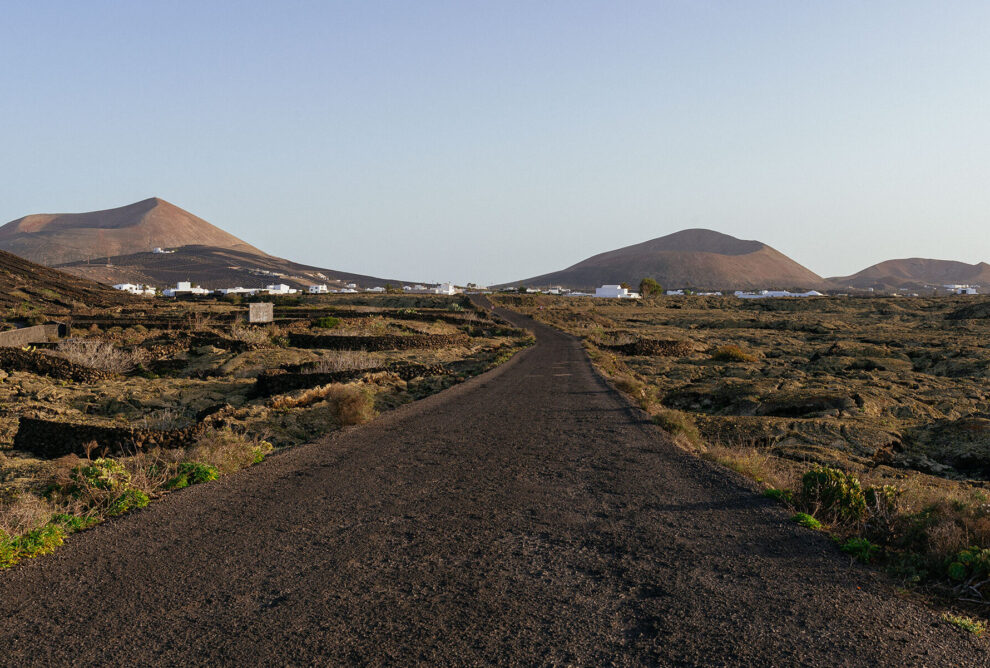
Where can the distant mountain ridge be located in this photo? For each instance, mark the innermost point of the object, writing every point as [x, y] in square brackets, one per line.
[915, 273]
[693, 258]
[58, 238]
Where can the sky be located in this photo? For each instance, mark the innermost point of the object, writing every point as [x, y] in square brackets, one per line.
[492, 141]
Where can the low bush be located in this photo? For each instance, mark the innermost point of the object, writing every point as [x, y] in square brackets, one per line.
[326, 322]
[97, 354]
[226, 451]
[191, 473]
[806, 520]
[679, 425]
[731, 353]
[861, 549]
[353, 404]
[781, 495]
[833, 494]
[967, 624]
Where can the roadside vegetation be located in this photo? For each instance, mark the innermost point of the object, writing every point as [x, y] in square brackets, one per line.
[169, 372]
[869, 419]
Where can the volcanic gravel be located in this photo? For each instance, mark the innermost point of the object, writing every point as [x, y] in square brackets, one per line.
[527, 517]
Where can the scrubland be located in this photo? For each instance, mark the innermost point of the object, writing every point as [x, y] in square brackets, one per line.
[869, 417]
[142, 401]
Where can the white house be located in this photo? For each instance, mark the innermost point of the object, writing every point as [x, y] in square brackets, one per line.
[280, 289]
[962, 289]
[348, 291]
[675, 293]
[615, 292]
[445, 289]
[763, 294]
[136, 289]
[351, 285]
[184, 288]
[318, 289]
[236, 291]
[161, 251]
[375, 289]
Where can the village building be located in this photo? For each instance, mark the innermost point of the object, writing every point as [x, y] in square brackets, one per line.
[764, 294]
[615, 292]
[445, 289]
[280, 289]
[184, 288]
[136, 289]
[318, 289]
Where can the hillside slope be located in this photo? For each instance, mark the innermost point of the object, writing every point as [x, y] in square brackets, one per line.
[214, 268]
[916, 272]
[27, 287]
[53, 239]
[694, 258]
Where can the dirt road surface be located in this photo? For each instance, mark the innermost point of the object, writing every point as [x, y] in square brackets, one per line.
[526, 517]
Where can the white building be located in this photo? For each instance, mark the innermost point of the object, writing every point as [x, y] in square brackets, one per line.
[136, 289]
[962, 289]
[351, 285]
[318, 289]
[237, 291]
[675, 293]
[161, 251]
[184, 288]
[280, 289]
[764, 294]
[445, 289]
[615, 292]
[375, 289]
[348, 291]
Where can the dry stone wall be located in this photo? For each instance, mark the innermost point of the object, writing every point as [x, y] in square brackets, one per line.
[51, 439]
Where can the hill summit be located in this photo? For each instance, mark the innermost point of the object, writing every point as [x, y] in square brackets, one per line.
[916, 273]
[694, 258]
[57, 238]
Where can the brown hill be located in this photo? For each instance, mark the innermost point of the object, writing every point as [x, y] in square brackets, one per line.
[28, 289]
[58, 238]
[915, 273]
[212, 268]
[693, 258]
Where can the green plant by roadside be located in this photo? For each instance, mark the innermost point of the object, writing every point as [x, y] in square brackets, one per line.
[968, 624]
[326, 322]
[781, 495]
[861, 549]
[833, 493]
[192, 473]
[806, 520]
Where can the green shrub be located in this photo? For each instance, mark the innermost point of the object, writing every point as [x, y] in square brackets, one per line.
[678, 424]
[833, 493]
[326, 322]
[806, 520]
[103, 473]
[131, 498]
[74, 523]
[782, 495]
[971, 562]
[861, 549]
[974, 626]
[731, 353]
[191, 473]
[31, 544]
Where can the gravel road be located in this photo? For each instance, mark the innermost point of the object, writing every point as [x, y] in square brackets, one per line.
[525, 517]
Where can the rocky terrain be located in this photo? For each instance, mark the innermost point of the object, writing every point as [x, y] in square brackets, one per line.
[30, 292]
[696, 258]
[148, 384]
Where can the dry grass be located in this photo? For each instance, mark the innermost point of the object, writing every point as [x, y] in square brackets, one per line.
[227, 450]
[352, 403]
[97, 354]
[249, 334]
[755, 464]
[344, 360]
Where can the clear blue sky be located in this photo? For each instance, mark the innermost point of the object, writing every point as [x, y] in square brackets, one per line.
[491, 141]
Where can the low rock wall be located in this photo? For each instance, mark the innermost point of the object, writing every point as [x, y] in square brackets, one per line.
[51, 439]
[32, 361]
[270, 384]
[374, 343]
[28, 335]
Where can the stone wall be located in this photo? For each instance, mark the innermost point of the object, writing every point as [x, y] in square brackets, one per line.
[270, 384]
[373, 343]
[32, 361]
[51, 439]
[28, 335]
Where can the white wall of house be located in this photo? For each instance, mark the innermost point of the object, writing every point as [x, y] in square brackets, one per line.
[615, 292]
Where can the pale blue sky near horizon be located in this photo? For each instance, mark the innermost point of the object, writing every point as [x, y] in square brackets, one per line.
[493, 141]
